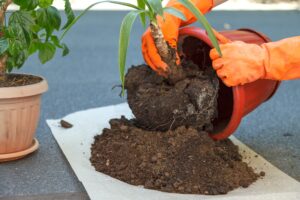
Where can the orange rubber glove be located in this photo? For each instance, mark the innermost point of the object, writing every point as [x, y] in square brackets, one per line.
[243, 63]
[170, 28]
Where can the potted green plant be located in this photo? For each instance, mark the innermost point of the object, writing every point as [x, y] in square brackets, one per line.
[149, 10]
[30, 29]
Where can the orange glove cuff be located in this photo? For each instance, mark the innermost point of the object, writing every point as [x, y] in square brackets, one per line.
[282, 61]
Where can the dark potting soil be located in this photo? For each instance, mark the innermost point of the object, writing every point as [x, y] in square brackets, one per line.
[161, 105]
[183, 160]
[15, 80]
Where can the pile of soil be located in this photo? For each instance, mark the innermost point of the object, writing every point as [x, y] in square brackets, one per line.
[15, 80]
[183, 160]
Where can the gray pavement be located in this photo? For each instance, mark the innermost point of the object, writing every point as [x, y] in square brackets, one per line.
[84, 80]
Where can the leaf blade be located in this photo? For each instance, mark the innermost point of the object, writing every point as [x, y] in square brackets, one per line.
[156, 6]
[3, 45]
[142, 5]
[125, 31]
[69, 13]
[175, 12]
[46, 52]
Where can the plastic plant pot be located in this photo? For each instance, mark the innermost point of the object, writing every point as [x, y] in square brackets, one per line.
[236, 102]
[19, 117]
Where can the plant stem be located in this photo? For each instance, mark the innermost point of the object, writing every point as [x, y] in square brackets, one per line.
[3, 58]
[3, 10]
[167, 53]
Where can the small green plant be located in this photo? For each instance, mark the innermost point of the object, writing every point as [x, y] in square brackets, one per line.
[30, 29]
[148, 10]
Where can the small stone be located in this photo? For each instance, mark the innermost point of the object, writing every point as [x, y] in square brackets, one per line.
[288, 135]
[65, 124]
[107, 162]
[123, 128]
[188, 190]
[244, 184]
[154, 159]
[181, 188]
[167, 174]
[176, 184]
[195, 188]
[262, 173]
[149, 184]
[143, 164]
[157, 183]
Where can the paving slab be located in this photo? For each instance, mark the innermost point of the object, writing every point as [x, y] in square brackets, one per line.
[84, 80]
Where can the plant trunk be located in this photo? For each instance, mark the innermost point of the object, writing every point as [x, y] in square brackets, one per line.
[3, 60]
[167, 53]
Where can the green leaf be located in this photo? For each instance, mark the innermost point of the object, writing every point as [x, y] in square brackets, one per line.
[21, 58]
[45, 3]
[156, 6]
[27, 4]
[175, 12]
[141, 4]
[56, 41]
[201, 18]
[46, 52]
[15, 46]
[54, 17]
[34, 46]
[125, 31]
[23, 18]
[66, 50]
[66, 30]
[69, 13]
[3, 45]
[49, 19]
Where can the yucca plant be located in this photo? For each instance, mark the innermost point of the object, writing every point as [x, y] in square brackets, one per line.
[30, 29]
[148, 10]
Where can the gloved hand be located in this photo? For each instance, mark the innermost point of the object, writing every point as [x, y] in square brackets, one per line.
[243, 63]
[170, 28]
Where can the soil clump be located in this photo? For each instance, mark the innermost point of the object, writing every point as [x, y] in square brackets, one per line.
[15, 80]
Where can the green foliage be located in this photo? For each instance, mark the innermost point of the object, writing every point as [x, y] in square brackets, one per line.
[156, 7]
[147, 9]
[175, 12]
[69, 13]
[33, 29]
[124, 41]
[142, 5]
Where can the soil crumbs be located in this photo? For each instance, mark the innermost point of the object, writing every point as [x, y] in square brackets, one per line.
[183, 160]
[14, 80]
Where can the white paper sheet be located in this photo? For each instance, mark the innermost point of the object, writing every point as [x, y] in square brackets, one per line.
[76, 142]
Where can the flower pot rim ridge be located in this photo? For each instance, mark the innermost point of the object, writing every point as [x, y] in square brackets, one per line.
[24, 91]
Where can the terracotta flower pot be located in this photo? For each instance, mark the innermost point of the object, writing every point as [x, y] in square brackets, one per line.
[19, 116]
[236, 102]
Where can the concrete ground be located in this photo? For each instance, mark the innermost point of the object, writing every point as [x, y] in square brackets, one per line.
[84, 80]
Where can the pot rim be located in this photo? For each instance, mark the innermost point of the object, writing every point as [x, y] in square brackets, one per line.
[24, 91]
